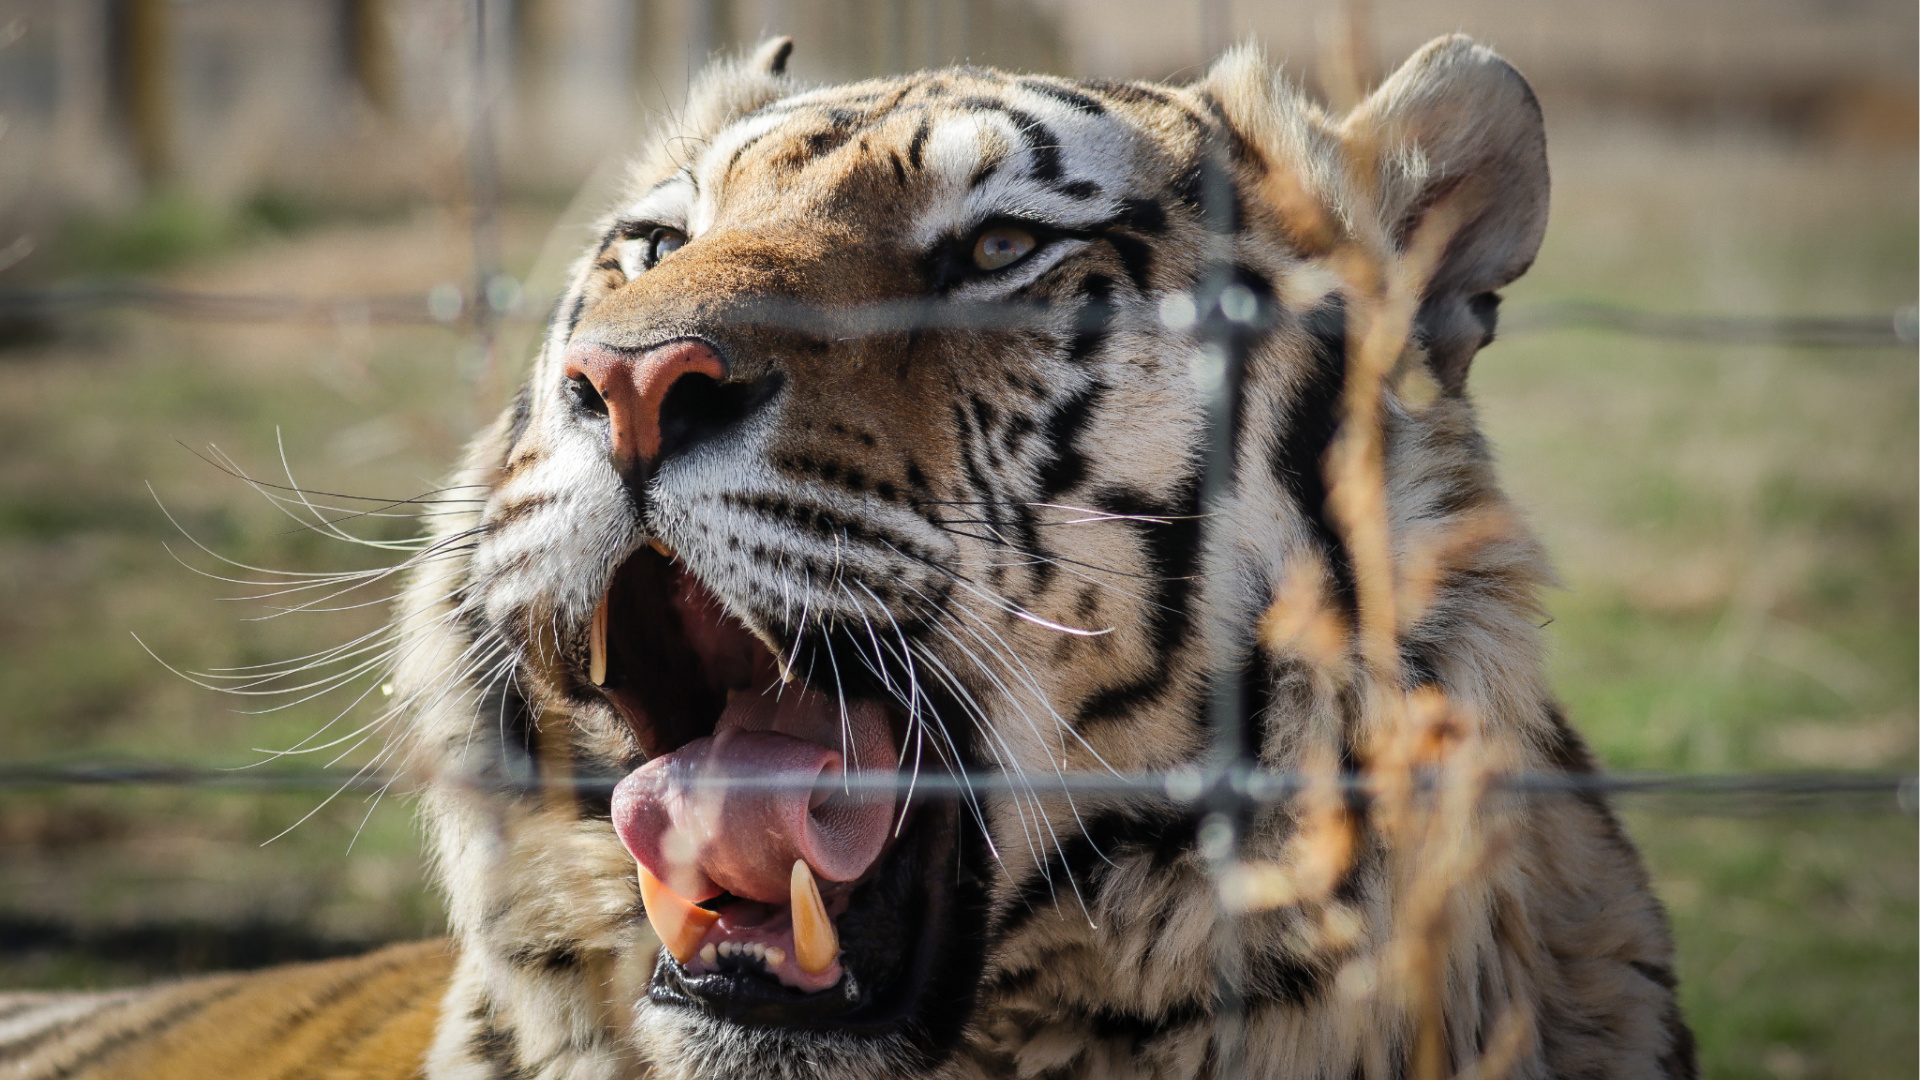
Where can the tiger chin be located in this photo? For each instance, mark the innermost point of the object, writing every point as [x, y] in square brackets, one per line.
[772, 503]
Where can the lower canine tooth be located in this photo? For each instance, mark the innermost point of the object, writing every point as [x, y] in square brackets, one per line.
[816, 943]
[597, 645]
[678, 922]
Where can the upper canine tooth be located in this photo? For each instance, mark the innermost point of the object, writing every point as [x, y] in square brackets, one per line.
[660, 546]
[815, 941]
[597, 645]
[679, 923]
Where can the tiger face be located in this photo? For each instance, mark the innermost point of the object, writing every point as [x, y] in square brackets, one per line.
[862, 447]
[865, 452]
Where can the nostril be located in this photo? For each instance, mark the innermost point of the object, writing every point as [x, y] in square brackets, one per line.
[586, 397]
[698, 408]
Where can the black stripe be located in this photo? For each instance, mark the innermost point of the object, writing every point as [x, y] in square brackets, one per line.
[1307, 428]
[1276, 978]
[1140, 215]
[1173, 550]
[825, 522]
[1139, 1031]
[1158, 832]
[919, 141]
[741, 150]
[1680, 1061]
[1066, 466]
[522, 414]
[1071, 98]
[1130, 93]
[1035, 135]
[1136, 255]
[579, 309]
[562, 959]
[494, 1046]
[106, 1047]
[1094, 320]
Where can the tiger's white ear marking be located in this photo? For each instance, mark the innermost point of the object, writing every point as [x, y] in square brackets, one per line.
[1458, 123]
[770, 56]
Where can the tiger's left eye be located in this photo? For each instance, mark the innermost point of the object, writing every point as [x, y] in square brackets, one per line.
[1001, 246]
[662, 243]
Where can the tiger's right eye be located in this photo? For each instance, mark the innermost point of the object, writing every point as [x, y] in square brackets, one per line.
[1001, 246]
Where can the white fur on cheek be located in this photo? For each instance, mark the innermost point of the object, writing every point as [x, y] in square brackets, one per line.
[556, 555]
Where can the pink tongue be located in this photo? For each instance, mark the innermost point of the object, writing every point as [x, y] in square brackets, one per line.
[701, 838]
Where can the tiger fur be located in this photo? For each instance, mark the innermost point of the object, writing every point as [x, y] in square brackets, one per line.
[999, 527]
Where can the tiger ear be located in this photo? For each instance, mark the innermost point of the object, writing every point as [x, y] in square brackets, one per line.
[770, 56]
[731, 87]
[1458, 126]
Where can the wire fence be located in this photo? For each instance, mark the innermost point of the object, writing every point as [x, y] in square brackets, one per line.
[1789, 791]
[501, 299]
[1428, 783]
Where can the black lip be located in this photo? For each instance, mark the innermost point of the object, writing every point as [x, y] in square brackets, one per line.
[753, 999]
[892, 936]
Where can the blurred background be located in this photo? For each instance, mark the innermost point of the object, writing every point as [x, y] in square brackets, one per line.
[319, 234]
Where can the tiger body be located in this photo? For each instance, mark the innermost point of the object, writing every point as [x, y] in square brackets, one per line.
[365, 1018]
[995, 530]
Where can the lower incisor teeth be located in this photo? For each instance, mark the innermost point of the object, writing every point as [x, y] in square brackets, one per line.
[709, 955]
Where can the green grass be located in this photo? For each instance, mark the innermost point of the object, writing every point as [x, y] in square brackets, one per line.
[1736, 529]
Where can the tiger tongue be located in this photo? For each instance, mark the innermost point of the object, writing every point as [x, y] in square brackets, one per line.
[700, 835]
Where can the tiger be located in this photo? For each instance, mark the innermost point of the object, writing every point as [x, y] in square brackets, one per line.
[869, 441]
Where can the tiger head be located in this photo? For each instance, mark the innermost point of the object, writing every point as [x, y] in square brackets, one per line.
[863, 456]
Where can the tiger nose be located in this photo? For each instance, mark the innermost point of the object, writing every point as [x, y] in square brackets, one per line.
[634, 385]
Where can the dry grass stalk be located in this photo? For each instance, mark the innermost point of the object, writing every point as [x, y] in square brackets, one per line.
[1423, 761]
[1512, 1038]
[1383, 298]
[1302, 623]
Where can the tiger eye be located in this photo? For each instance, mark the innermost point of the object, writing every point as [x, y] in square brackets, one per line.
[1001, 246]
[663, 243]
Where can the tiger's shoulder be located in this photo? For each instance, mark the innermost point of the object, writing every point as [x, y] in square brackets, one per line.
[367, 1017]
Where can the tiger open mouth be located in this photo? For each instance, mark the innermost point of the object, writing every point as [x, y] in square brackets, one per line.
[779, 895]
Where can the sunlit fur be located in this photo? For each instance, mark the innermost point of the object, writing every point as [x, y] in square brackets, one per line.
[359, 1019]
[1008, 515]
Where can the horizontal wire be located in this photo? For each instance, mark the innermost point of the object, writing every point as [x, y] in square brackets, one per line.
[1178, 785]
[404, 308]
[1901, 327]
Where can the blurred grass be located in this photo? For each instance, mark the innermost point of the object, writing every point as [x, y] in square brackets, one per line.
[174, 228]
[1736, 528]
